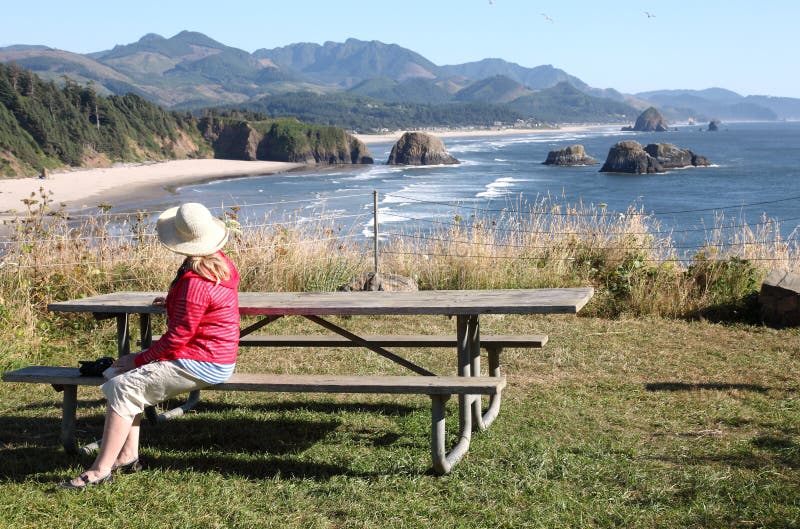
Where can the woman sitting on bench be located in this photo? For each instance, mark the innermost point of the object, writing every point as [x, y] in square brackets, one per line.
[199, 348]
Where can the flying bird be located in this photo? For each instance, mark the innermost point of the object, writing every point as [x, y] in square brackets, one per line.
[649, 15]
[547, 18]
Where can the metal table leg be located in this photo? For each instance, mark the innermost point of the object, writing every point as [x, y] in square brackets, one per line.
[482, 420]
[123, 335]
[443, 461]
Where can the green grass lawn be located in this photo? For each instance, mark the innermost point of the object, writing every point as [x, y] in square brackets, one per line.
[614, 423]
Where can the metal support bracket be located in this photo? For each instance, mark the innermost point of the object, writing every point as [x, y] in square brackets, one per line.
[258, 325]
[485, 419]
[372, 347]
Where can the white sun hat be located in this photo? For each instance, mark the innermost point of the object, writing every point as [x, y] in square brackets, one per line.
[190, 229]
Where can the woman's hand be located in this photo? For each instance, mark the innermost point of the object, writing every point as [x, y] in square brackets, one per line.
[160, 301]
[125, 363]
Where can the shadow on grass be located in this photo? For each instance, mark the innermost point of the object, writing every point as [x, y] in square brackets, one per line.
[19, 463]
[273, 436]
[762, 452]
[251, 468]
[735, 311]
[381, 408]
[718, 386]
[56, 404]
[32, 446]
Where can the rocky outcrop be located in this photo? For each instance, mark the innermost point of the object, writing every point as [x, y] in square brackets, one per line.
[285, 141]
[419, 148]
[651, 120]
[713, 125]
[780, 299]
[237, 141]
[304, 143]
[672, 157]
[630, 157]
[383, 282]
[574, 155]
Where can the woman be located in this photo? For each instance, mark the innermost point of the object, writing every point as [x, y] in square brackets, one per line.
[199, 348]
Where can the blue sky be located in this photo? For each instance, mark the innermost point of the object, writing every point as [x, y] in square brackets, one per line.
[747, 46]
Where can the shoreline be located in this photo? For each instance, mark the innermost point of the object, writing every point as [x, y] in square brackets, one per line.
[81, 189]
[395, 135]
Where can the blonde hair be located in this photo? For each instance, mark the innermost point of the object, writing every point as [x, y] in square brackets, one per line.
[211, 267]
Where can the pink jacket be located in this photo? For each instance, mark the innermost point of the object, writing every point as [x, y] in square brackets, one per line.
[202, 321]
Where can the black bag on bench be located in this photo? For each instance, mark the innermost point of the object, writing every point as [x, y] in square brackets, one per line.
[95, 368]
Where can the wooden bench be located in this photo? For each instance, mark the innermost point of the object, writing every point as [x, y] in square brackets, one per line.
[439, 388]
[493, 343]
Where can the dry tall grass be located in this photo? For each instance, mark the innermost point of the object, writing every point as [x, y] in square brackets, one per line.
[635, 266]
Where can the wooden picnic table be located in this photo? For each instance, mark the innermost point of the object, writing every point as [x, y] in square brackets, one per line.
[466, 305]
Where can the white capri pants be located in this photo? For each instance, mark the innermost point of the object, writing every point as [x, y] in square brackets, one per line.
[131, 392]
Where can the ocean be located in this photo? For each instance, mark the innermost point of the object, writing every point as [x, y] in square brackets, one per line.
[754, 174]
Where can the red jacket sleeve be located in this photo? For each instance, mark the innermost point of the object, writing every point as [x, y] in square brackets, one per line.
[190, 300]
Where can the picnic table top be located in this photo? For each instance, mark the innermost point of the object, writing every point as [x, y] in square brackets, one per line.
[451, 302]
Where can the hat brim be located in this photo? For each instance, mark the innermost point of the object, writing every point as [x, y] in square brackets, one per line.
[211, 241]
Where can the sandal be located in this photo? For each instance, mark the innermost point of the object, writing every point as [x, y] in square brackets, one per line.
[108, 478]
[128, 468]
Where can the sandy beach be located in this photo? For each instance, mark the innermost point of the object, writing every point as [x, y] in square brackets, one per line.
[86, 188]
[394, 136]
[81, 189]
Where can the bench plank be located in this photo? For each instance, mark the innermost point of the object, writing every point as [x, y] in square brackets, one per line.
[58, 376]
[70, 376]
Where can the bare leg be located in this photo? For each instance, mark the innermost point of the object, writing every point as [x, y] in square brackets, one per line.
[115, 435]
[130, 450]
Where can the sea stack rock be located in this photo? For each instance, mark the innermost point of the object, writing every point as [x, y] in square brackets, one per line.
[713, 125]
[419, 148]
[651, 120]
[574, 155]
[672, 157]
[630, 157]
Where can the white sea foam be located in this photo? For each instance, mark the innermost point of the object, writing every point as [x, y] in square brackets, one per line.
[378, 171]
[422, 191]
[499, 187]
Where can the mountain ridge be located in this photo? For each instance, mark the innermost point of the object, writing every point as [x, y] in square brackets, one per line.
[192, 70]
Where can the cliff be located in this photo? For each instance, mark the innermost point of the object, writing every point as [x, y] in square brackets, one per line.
[284, 140]
[43, 126]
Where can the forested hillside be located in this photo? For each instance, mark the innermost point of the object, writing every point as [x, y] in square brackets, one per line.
[367, 115]
[43, 125]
